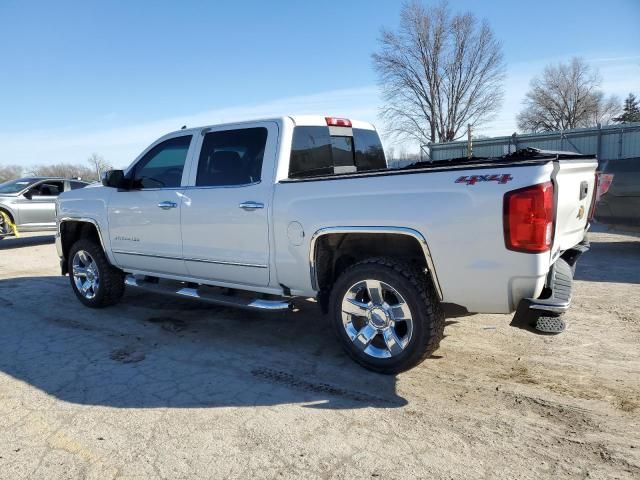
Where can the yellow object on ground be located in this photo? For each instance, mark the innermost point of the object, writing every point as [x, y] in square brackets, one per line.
[7, 221]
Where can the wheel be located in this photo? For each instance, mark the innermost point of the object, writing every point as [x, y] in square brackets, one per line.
[5, 225]
[386, 315]
[95, 282]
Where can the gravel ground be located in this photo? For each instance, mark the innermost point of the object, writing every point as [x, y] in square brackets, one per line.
[164, 388]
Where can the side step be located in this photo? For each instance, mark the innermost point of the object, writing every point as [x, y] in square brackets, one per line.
[181, 290]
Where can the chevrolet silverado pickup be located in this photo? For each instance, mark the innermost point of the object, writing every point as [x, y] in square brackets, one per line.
[264, 214]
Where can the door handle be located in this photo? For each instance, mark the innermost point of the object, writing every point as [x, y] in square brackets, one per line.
[248, 206]
[167, 205]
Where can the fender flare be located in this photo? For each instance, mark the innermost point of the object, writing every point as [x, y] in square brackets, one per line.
[392, 230]
[82, 220]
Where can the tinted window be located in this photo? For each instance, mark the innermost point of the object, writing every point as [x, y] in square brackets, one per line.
[342, 151]
[76, 185]
[162, 166]
[231, 157]
[369, 152]
[314, 152]
[48, 189]
[310, 152]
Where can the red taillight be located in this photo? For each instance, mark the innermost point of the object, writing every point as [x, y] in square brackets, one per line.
[603, 184]
[528, 218]
[337, 122]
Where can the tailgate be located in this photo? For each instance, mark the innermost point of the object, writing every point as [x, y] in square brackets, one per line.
[575, 187]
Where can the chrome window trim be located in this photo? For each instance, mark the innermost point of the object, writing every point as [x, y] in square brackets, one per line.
[164, 189]
[209, 187]
[201, 260]
[393, 230]
[60, 221]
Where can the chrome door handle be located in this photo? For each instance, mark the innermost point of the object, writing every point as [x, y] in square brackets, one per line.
[248, 206]
[167, 205]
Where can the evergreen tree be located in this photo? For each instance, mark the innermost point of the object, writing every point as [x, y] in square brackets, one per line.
[630, 111]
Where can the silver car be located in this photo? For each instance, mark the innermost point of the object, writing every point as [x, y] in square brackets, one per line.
[30, 202]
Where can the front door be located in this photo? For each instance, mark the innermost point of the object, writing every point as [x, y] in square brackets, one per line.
[144, 222]
[36, 208]
[225, 213]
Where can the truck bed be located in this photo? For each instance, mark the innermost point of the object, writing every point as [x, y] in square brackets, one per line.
[460, 218]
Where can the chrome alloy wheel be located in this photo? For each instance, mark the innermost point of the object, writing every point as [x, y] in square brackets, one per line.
[85, 274]
[377, 318]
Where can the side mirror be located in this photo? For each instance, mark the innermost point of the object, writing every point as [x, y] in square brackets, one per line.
[114, 179]
[28, 194]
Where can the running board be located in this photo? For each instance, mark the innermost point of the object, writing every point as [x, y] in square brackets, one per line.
[219, 299]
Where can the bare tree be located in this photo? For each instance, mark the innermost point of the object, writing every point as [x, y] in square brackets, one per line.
[438, 72]
[566, 96]
[66, 170]
[98, 164]
[10, 172]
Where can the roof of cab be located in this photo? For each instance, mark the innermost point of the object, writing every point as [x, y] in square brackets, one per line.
[298, 120]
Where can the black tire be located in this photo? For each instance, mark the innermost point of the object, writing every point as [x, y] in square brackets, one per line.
[111, 280]
[419, 294]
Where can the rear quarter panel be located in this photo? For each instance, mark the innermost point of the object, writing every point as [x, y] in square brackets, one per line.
[462, 225]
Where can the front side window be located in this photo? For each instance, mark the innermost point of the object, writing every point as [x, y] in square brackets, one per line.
[47, 189]
[162, 166]
[231, 157]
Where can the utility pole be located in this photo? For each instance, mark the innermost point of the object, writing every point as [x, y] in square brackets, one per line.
[469, 142]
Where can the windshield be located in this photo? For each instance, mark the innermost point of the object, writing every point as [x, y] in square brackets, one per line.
[15, 186]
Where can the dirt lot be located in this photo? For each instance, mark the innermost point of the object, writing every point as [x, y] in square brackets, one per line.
[164, 388]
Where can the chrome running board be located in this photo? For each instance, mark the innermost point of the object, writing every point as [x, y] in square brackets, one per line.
[179, 289]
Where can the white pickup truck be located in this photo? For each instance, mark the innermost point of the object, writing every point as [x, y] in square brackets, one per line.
[258, 214]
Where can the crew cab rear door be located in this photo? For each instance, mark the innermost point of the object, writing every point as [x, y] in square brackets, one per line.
[225, 209]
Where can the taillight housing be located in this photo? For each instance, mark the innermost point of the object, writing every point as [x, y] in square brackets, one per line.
[529, 218]
[601, 186]
[337, 122]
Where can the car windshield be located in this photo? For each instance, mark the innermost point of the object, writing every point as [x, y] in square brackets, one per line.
[15, 186]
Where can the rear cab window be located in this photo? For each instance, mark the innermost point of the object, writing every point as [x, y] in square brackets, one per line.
[318, 151]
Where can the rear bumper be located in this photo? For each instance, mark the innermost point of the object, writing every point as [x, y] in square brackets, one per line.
[556, 296]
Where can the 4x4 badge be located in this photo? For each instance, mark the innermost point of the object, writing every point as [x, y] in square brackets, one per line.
[473, 179]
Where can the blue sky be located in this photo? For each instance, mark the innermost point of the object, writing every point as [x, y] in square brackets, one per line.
[111, 76]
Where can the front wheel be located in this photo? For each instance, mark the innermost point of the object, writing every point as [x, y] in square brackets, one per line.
[95, 282]
[386, 315]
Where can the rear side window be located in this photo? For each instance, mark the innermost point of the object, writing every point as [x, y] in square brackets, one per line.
[315, 152]
[76, 185]
[231, 157]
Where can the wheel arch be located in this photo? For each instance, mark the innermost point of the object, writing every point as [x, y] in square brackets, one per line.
[9, 212]
[71, 230]
[332, 249]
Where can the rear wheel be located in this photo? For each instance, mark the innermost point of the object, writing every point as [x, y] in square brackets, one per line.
[95, 282]
[386, 315]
